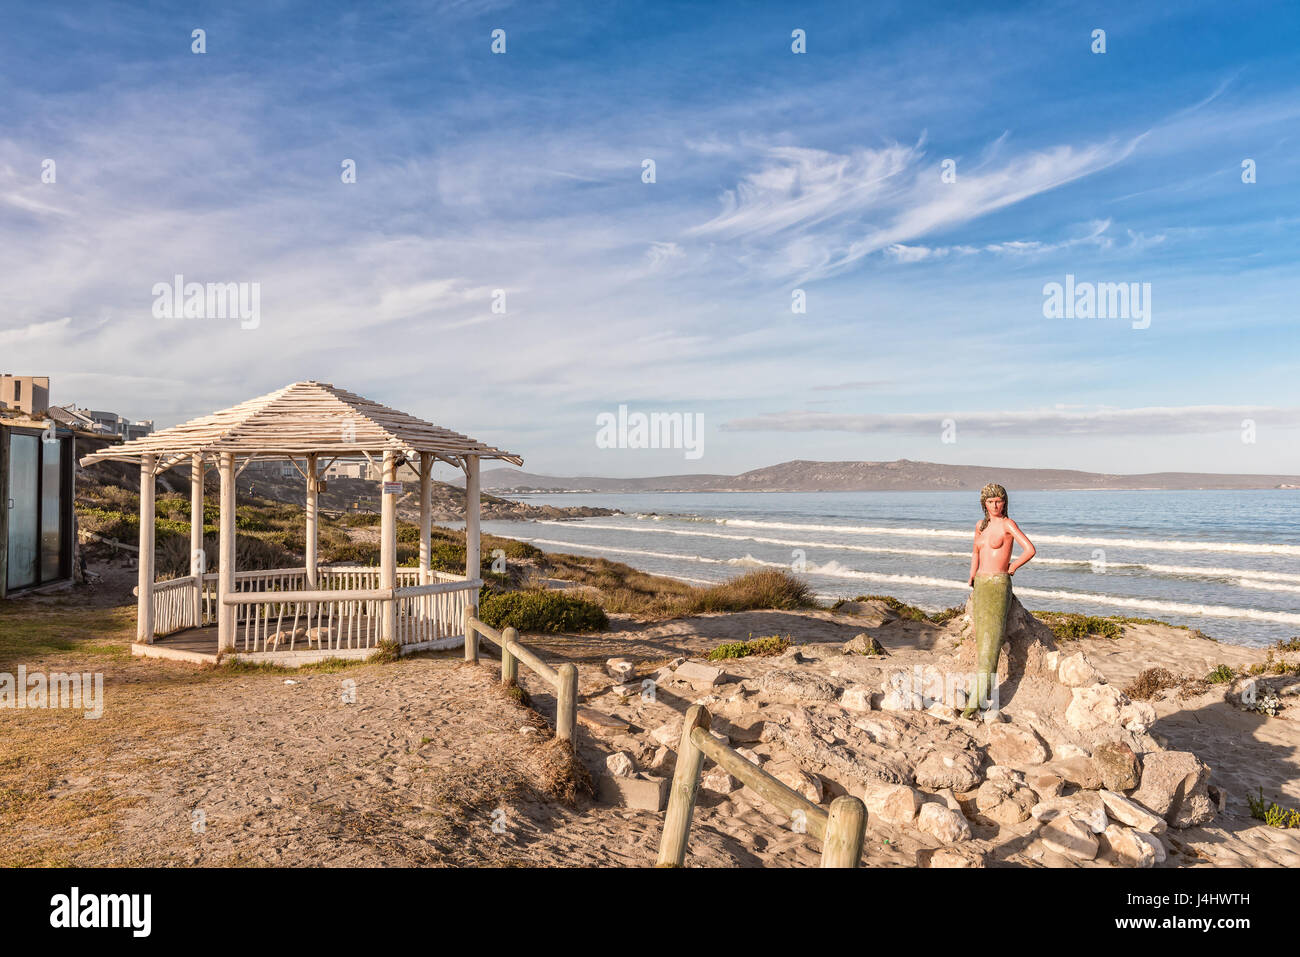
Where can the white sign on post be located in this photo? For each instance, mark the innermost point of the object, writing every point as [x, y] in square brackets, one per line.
[392, 488]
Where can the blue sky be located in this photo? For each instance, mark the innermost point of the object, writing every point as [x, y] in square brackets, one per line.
[775, 171]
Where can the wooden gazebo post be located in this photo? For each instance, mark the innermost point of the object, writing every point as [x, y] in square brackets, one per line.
[426, 517]
[226, 561]
[388, 548]
[312, 511]
[473, 543]
[198, 563]
[144, 584]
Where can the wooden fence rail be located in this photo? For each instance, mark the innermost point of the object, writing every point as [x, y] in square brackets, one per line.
[563, 680]
[841, 831]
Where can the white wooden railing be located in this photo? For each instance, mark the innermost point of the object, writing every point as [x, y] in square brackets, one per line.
[274, 610]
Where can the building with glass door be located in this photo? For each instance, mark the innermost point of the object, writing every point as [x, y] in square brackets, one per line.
[36, 491]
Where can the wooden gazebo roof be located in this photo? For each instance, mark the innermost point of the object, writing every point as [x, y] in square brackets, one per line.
[301, 418]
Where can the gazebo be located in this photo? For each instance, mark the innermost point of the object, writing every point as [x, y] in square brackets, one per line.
[295, 616]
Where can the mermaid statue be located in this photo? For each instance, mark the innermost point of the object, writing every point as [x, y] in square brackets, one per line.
[991, 569]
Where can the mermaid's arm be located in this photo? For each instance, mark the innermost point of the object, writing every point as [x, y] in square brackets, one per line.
[974, 557]
[1028, 547]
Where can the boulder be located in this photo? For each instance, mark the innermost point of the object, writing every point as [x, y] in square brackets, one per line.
[1085, 806]
[620, 764]
[799, 685]
[1129, 812]
[669, 735]
[1174, 785]
[943, 823]
[750, 756]
[745, 728]
[1069, 836]
[1125, 848]
[1081, 772]
[1137, 716]
[1018, 747]
[863, 644]
[959, 856]
[1095, 706]
[620, 668]
[698, 675]
[891, 803]
[856, 699]
[718, 781]
[1004, 801]
[643, 791]
[1117, 764]
[1077, 671]
[949, 768]
[1157, 846]
[1045, 784]
[883, 729]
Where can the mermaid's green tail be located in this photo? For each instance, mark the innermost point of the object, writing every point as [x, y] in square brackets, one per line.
[992, 602]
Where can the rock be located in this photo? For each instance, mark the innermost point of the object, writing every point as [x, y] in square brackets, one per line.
[645, 792]
[992, 716]
[1052, 662]
[1157, 846]
[1067, 750]
[698, 675]
[620, 764]
[1096, 706]
[863, 644]
[660, 759]
[1117, 764]
[1122, 846]
[798, 780]
[620, 668]
[718, 781]
[1004, 801]
[1015, 746]
[891, 803]
[1086, 806]
[1045, 784]
[1175, 786]
[1077, 671]
[943, 823]
[1137, 716]
[899, 700]
[1065, 835]
[745, 728]
[799, 685]
[669, 735]
[943, 712]
[856, 699]
[750, 756]
[1000, 773]
[600, 722]
[1218, 797]
[956, 857]
[949, 768]
[1131, 813]
[883, 729]
[1081, 772]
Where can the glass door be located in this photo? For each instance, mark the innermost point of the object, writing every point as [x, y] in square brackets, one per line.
[24, 509]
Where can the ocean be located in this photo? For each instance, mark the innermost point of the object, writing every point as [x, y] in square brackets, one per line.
[1226, 562]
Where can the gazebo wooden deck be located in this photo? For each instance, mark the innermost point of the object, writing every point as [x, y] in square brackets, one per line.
[295, 616]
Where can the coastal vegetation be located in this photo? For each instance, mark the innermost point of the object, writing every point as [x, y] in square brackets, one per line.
[769, 645]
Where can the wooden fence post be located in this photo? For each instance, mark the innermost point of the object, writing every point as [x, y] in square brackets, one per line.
[566, 702]
[842, 846]
[509, 663]
[686, 782]
[471, 636]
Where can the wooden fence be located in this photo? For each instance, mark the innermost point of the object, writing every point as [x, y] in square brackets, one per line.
[841, 830]
[564, 680]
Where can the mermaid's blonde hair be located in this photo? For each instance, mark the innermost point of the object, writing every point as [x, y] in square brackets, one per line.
[993, 490]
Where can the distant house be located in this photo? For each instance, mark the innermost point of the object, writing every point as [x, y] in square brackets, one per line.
[37, 465]
[29, 394]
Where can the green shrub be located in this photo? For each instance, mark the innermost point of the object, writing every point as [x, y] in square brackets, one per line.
[769, 645]
[1221, 675]
[1271, 813]
[538, 610]
[1069, 626]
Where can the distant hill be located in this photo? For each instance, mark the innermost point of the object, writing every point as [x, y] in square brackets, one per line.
[902, 475]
